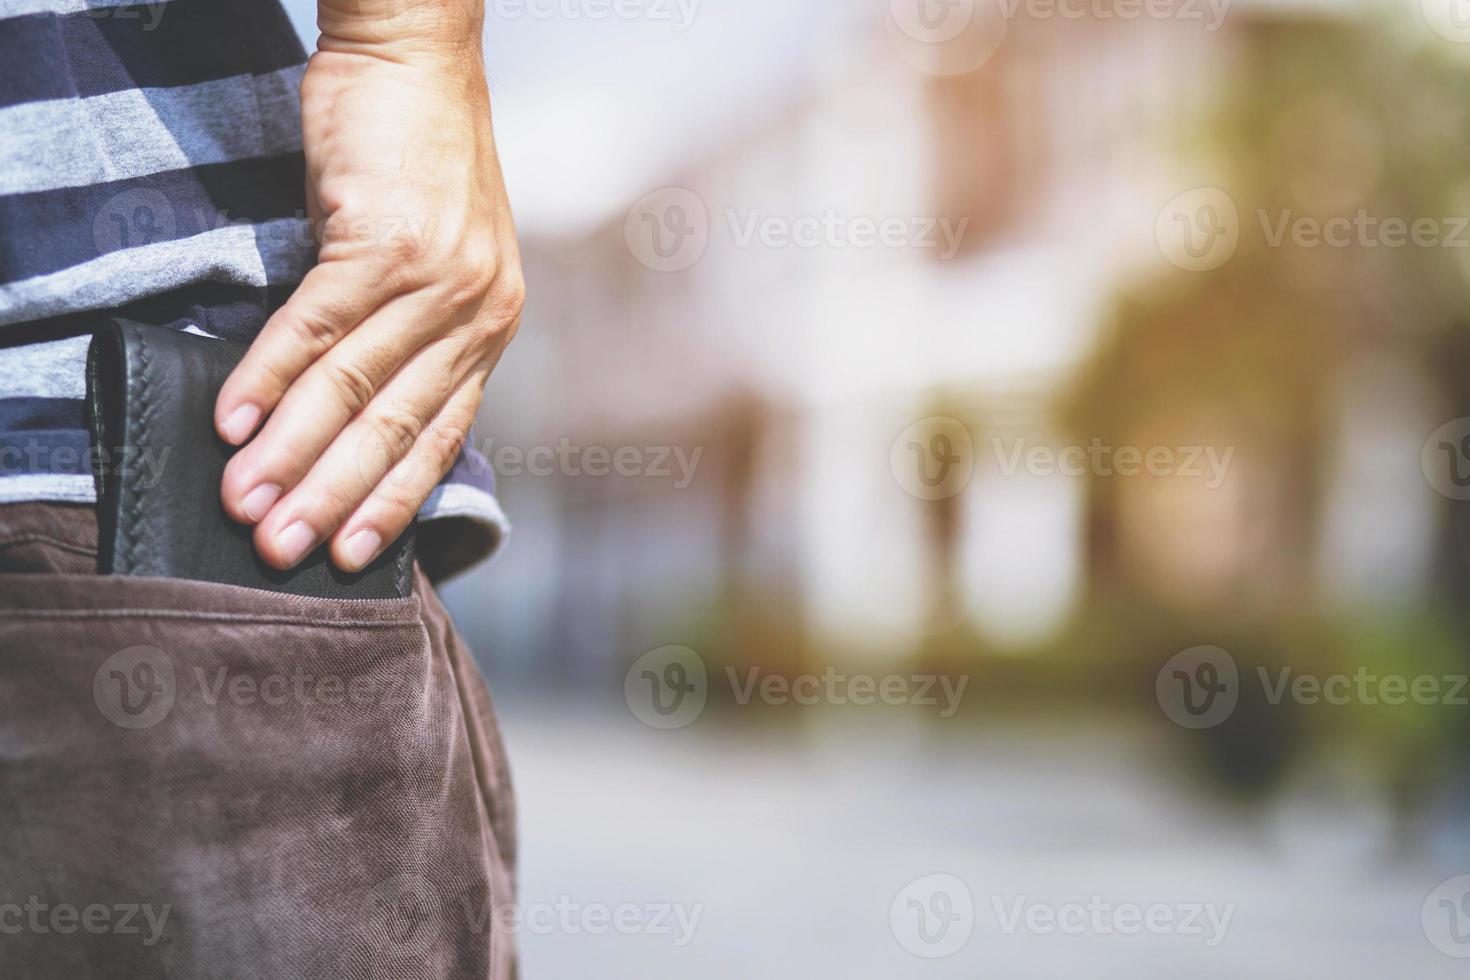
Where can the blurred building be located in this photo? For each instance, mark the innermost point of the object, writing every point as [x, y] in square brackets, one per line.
[1026, 190]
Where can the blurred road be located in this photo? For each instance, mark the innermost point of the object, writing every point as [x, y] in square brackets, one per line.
[784, 849]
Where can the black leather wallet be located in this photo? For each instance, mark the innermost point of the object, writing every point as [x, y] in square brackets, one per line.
[158, 461]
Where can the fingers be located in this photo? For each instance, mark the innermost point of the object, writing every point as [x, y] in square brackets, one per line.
[394, 502]
[333, 299]
[320, 403]
[357, 458]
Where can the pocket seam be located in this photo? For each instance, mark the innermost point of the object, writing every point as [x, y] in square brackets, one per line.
[7, 613]
[46, 539]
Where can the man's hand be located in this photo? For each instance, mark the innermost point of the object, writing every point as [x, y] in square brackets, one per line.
[370, 375]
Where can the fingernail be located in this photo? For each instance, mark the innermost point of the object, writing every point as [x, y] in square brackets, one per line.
[362, 547]
[240, 423]
[258, 502]
[295, 542]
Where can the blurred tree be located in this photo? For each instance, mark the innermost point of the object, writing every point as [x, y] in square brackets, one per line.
[1329, 122]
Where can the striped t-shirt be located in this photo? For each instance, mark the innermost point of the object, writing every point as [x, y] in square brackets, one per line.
[150, 166]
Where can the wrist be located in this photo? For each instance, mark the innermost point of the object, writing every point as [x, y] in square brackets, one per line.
[402, 30]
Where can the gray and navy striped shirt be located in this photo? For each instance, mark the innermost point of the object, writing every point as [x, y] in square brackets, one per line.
[150, 166]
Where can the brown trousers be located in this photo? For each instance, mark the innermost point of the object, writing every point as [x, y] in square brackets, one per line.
[201, 781]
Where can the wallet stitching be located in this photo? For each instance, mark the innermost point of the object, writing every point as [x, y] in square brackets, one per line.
[137, 424]
[145, 424]
[401, 578]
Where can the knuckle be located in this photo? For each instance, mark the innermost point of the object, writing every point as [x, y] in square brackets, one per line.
[339, 195]
[432, 456]
[473, 276]
[498, 316]
[510, 291]
[282, 464]
[351, 382]
[267, 375]
[403, 247]
[442, 444]
[396, 430]
[481, 337]
[314, 328]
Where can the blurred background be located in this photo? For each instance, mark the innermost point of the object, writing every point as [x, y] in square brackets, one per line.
[986, 474]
